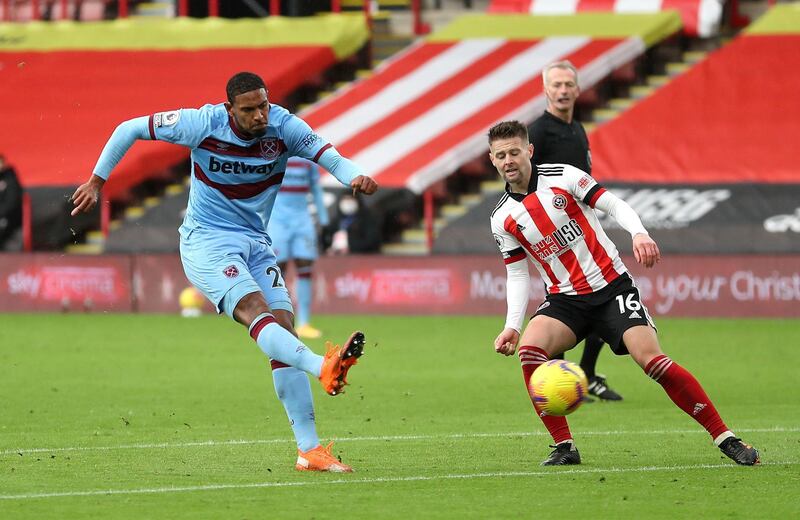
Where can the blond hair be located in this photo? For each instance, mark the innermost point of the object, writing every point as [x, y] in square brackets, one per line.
[563, 65]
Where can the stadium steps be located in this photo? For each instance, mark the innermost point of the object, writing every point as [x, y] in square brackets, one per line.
[492, 187]
[155, 9]
[385, 41]
[363, 73]
[405, 249]
[95, 238]
[95, 242]
[616, 106]
[382, 5]
[414, 241]
[385, 44]
[84, 249]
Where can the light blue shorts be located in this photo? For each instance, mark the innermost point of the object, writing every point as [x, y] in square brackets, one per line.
[226, 266]
[295, 238]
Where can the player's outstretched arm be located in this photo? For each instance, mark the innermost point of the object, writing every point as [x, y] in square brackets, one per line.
[506, 342]
[645, 250]
[86, 196]
[347, 172]
[364, 184]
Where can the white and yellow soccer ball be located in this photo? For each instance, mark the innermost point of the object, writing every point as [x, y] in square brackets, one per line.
[191, 301]
[558, 387]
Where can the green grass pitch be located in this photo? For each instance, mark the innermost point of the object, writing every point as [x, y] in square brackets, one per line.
[138, 416]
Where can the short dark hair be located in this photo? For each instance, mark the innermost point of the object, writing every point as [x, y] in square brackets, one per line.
[508, 130]
[242, 82]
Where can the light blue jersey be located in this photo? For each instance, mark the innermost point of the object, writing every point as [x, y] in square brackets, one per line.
[225, 249]
[291, 225]
[234, 179]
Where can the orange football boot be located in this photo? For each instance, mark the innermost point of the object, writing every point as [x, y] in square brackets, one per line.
[320, 459]
[338, 361]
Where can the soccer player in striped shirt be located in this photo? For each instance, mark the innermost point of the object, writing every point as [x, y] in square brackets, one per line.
[294, 236]
[239, 151]
[547, 216]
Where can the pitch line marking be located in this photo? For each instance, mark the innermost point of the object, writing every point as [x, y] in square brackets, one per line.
[379, 480]
[246, 442]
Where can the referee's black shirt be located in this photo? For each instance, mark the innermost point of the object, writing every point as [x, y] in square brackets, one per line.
[555, 141]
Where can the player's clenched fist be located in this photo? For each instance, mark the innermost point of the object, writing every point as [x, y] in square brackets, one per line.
[506, 342]
[364, 184]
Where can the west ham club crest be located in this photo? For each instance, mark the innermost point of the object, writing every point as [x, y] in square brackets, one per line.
[270, 149]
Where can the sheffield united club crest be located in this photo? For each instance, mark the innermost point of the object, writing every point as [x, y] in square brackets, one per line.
[559, 201]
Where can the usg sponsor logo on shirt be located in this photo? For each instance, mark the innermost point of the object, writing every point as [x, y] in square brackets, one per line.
[558, 241]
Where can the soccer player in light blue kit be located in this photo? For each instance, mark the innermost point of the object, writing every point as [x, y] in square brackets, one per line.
[294, 237]
[239, 151]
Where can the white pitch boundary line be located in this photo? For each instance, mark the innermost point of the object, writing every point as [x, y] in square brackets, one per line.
[245, 442]
[379, 480]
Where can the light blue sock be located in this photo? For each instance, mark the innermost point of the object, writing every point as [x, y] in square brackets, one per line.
[279, 344]
[304, 295]
[294, 391]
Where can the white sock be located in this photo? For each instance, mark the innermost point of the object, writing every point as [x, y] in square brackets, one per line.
[722, 436]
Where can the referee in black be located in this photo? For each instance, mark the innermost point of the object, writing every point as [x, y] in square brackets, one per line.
[558, 138]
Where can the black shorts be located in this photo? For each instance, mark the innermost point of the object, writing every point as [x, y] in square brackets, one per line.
[608, 312]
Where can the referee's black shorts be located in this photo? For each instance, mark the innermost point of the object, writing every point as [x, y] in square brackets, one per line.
[608, 312]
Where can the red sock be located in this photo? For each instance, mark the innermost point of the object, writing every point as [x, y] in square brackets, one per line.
[685, 391]
[531, 357]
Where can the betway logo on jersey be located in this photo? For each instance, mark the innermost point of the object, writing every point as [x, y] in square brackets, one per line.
[558, 241]
[238, 167]
[668, 208]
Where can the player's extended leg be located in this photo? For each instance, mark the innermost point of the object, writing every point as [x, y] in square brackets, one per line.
[273, 333]
[338, 360]
[305, 296]
[598, 386]
[294, 391]
[545, 337]
[274, 338]
[685, 391]
[235, 273]
[280, 344]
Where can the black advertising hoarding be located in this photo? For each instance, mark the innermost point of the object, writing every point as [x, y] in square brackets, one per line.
[683, 219]
[714, 219]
